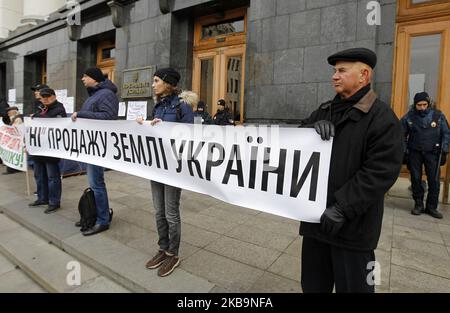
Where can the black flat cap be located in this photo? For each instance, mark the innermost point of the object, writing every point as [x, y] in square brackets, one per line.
[363, 55]
[39, 87]
[47, 92]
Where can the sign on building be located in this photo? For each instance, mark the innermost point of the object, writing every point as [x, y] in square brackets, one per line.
[137, 83]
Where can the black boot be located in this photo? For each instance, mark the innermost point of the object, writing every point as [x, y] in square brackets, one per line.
[434, 213]
[418, 208]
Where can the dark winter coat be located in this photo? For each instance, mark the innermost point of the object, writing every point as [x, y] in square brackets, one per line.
[56, 109]
[172, 109]
[365, 162]
[206, 118]
[102, 103]
[426, 133]
[223, 117]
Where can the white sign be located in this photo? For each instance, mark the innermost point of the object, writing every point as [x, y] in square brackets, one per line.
[136, 109]
[12, 149]
[282, 171]
[61, 94]
[69, 105]
[20, 107]
[11, 95]
[122, 108]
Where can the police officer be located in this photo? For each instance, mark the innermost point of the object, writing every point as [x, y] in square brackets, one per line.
[426, 139]
[200, 112]
[223, 115]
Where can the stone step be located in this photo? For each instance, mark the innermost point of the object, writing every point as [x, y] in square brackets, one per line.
[114, 260]
[47, 265]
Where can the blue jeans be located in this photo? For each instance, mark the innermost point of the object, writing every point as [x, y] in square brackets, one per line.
[166, 200]
[97, 183]
[48, 181]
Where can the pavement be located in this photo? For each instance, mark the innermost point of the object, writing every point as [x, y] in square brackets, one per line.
[224, 248]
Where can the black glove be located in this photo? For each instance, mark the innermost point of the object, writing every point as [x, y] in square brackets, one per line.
[332, 220]
[443, 158]
[325, 129]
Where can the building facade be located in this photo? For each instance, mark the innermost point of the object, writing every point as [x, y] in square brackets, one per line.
[266, 58]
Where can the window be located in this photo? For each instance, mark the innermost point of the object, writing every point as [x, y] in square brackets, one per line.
[410, 10]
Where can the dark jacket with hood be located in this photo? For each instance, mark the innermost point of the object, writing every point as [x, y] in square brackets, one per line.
[365, 162]
[102, 103]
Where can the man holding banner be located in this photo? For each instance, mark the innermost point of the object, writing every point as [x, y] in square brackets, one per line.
[102, 104]
[365, 162]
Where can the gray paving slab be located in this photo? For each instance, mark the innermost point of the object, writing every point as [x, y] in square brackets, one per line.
[18, 282]
[412, 233]
[410, 280]
[196, 236]
[210, 223]
[295, 248]
[260, 237]
[416, 222]
[421, 261]
[244, 252]
[431, 249]
[127, 266]
[5, 265]
[43, 262]
[269, 282]
[222, 271]
[287, 266]
[100, 284]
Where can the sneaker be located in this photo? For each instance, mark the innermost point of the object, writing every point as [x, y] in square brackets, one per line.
[157, 260]
[169, 265]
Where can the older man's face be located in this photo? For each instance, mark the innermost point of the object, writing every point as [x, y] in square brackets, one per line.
[347, 78]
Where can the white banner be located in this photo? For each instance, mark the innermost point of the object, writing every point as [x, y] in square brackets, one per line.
[12, 150]
[282, 171]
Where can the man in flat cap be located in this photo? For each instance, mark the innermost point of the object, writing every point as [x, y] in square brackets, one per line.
[46, 169]
[426, 136]
[365, 162]
[38, 106]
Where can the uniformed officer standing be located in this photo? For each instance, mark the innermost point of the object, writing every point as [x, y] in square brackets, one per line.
[223, 115]
[426, 140]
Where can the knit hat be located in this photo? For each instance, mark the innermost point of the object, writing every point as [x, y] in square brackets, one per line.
[201, 105]
[421, 96]
[95, 73]
[169, 75]
[39, 87]
[221, 102]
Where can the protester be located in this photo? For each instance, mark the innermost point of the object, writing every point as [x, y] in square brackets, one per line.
[365, 162]
[102, 104]
[46, 169]
[426, 136]
[166, 199]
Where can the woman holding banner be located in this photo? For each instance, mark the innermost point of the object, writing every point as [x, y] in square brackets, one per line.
[169, 107]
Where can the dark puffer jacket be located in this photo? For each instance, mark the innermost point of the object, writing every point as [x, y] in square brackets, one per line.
[102, 103]
[365, 162]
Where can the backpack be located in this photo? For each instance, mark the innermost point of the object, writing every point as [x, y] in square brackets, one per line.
[88, 210]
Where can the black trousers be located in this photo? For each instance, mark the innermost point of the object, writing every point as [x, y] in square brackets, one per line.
[415, 161]
[325, 266]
